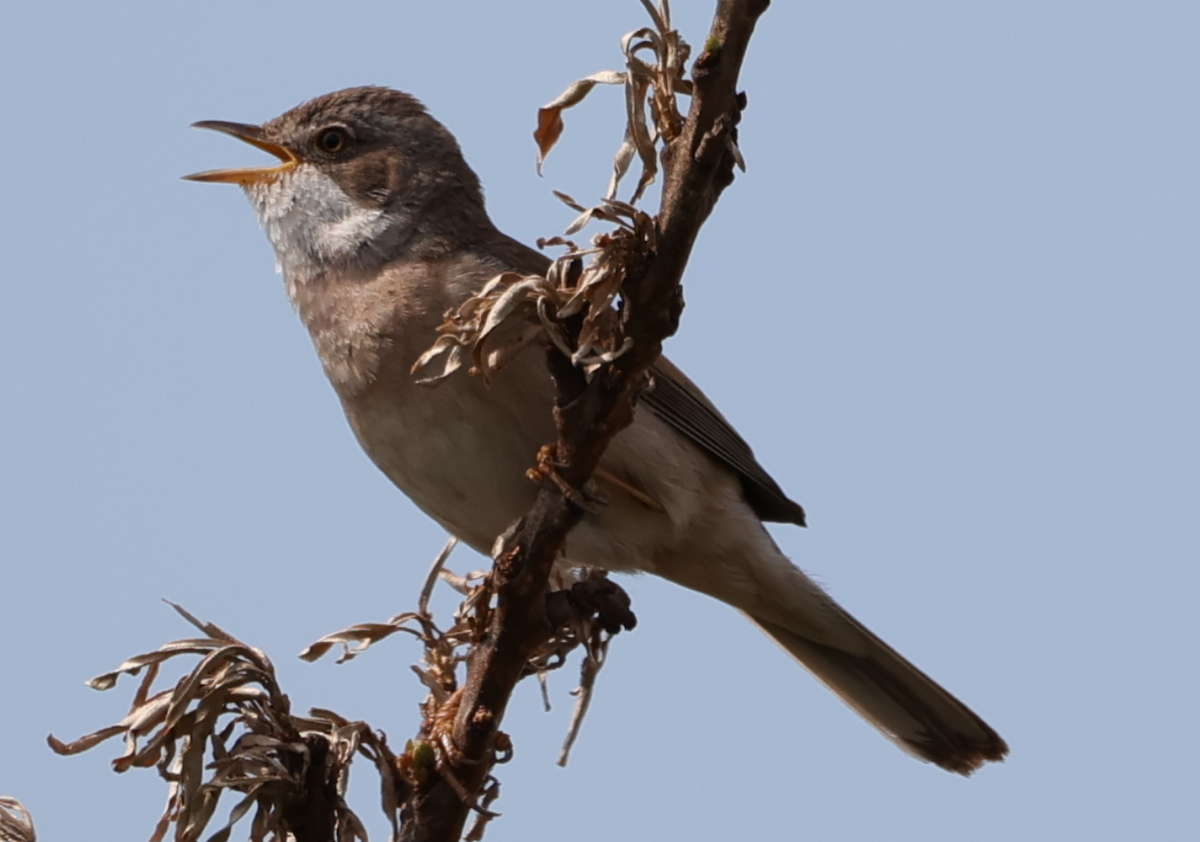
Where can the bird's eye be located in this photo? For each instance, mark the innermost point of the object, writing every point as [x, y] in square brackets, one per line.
[333, 140]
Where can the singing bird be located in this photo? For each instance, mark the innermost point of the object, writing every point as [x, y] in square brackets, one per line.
[379, 228]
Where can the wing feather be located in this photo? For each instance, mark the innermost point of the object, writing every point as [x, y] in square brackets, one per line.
[680, 403]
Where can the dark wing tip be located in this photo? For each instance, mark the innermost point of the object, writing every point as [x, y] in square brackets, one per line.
[677, 401]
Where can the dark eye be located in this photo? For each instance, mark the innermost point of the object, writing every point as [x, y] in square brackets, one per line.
[333, 140]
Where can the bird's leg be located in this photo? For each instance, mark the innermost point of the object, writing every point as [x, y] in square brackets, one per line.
[546, 470]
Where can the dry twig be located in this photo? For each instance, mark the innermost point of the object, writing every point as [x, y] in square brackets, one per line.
[585, 610]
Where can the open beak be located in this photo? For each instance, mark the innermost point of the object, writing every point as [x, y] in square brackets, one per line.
[249, 175]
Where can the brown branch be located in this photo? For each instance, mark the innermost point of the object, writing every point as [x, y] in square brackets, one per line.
[310, 814]
[698, 165]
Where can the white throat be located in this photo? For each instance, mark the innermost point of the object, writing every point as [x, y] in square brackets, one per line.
[313, 225]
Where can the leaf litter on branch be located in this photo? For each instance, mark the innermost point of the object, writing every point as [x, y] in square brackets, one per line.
[230, 707]
[229, 710]
[585, 610]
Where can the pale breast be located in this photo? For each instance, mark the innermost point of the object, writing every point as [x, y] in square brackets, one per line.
[461, 449]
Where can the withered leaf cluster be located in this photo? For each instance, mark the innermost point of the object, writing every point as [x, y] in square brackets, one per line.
[651, 110]
[512, 310]
[226, 726]
[585, 609]
[16, 825]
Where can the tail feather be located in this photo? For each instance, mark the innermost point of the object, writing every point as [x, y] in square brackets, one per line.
[905, 704]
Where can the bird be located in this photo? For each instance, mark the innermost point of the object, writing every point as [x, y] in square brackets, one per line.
[379, 228]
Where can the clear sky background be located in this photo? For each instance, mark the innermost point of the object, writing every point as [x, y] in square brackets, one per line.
[953, 305]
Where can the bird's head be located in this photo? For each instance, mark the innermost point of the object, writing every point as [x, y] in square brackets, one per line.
[364, 176]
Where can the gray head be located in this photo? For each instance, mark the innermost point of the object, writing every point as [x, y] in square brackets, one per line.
[365, 176]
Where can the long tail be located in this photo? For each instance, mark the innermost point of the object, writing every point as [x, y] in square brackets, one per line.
[905, 704]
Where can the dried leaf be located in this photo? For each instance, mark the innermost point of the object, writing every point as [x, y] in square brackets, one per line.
[550, 124]
[652, 114]
[209, 629]
[364, 634]
[435, 570]
[230, 694]
[661, 16]
[133, 665]
[85, 742]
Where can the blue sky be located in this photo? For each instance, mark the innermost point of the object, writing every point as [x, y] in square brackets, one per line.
[952, 304]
